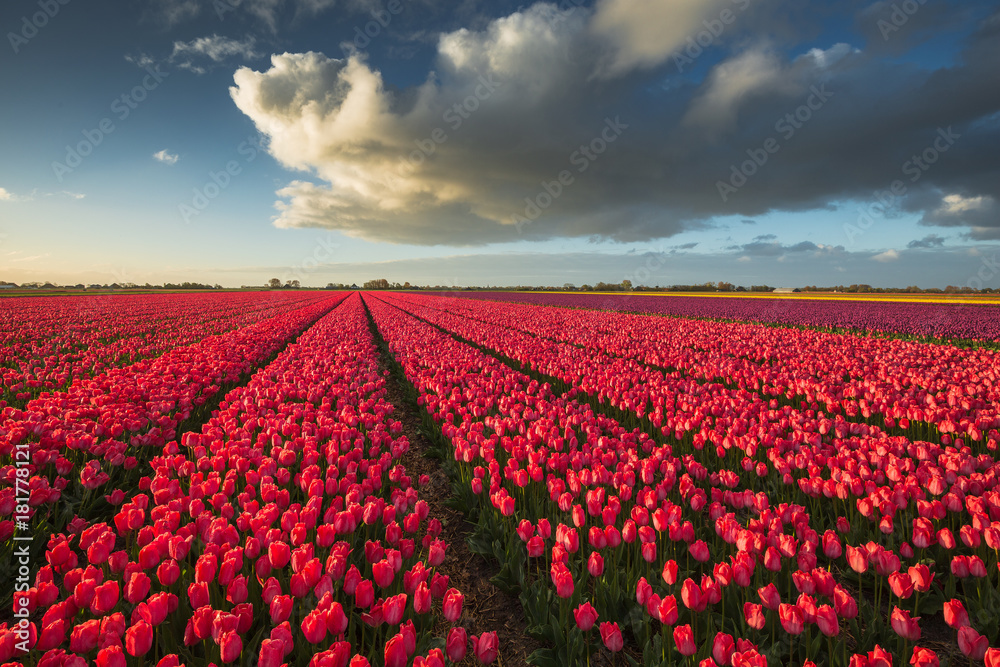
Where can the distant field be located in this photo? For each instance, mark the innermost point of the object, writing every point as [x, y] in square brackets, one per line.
[931, 317]
[984, 299]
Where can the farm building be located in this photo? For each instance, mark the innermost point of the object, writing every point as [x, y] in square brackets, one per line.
[785, 290]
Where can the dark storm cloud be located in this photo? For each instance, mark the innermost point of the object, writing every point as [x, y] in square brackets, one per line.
[540, 125]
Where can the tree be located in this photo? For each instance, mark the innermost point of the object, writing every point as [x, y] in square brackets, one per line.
[274, 283]
[378, 283]
[724, 287]
[627, 285]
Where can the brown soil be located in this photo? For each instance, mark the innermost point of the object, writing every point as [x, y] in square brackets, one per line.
[486, 607]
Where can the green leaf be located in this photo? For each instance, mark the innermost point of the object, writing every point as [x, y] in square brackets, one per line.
[544, 657]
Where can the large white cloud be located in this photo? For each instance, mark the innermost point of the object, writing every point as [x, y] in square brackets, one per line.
[463, 157]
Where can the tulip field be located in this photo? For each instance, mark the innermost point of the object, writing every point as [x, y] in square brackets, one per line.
[224, 479]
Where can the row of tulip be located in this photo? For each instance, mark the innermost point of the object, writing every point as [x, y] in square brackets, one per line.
[926, 391]
[285, 532]
[663, 512]
[725, 417]
[48, 342]
[911, 319]
[85, 448]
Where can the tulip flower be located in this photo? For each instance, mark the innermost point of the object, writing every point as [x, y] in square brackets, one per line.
[904, 626]
[139, 639]
[723, 647]
[485, 647]
[111, 656]
[684, 640]
[753, 614]
[452, 607]
[611, 635]
[562, 579]
[457, 644]
[791, 617]
[769, 597]
[585, 616]
[395, 652]
[924, 657]
[955, 614]
[691, 596]
[972, 644]
[901, 585]
[826, 620]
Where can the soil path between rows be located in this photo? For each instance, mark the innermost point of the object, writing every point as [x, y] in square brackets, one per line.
[486, 608]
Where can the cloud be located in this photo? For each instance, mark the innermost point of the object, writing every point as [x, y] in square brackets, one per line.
[172, 12]
[166, 156]
[890, 255]
[214, 48]
[5, 196]
[645, 33]
[929, 241]
[480, 141]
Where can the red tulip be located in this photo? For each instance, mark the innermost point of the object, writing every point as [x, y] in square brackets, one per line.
[843, 604]
[395, 652]
[485, 647]
[110, 656]
[83, 639]
[278, 554]
[670, 572]
[684, 639]
[667, 611]
[699, 551]
[770, 597]
[105, 598]
[452, 607]
[611, 635]
[972, 644]
[857, 558]
[723, 647]
[139, 639]
[901, 585]
[826, 620]
[272, 653]
[992, 657]
[595, 564]
[924, 657]
[792, 618]
[585, 616]
[457, 644]
[394, 607]
[314, 627]
[642, 591]
[364, 594]
[955, 614]
[904, 626]
[562, 579]
[691, 596]
[230, 646]
[753, 614]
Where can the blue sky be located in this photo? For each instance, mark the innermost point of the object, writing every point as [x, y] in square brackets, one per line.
[239, 140]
